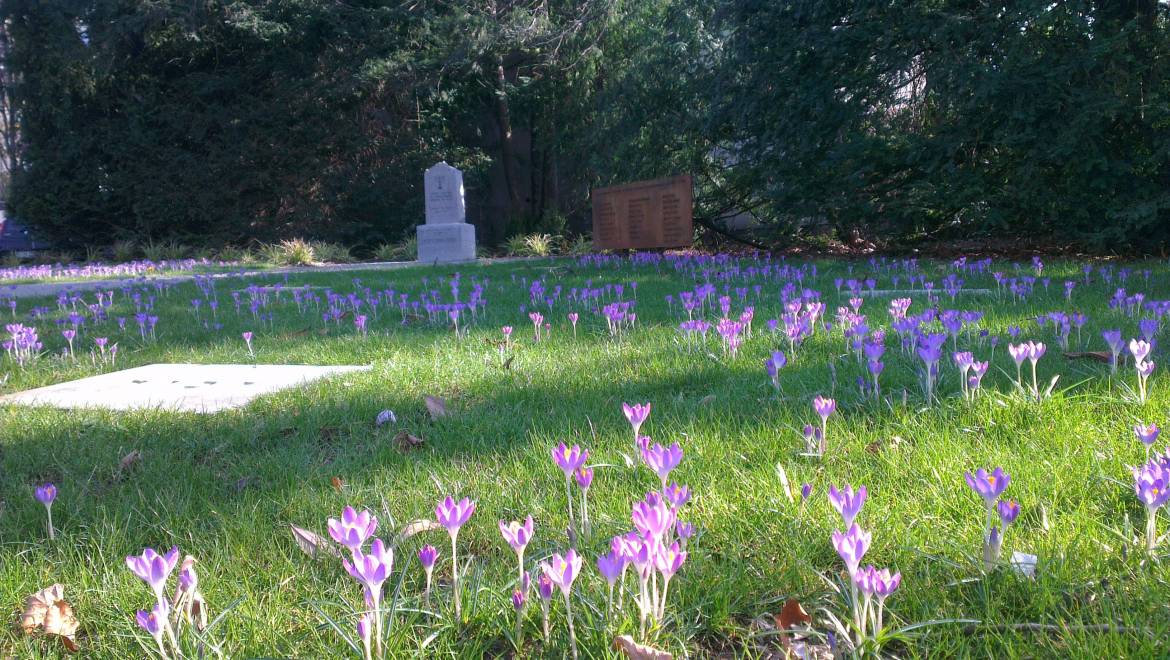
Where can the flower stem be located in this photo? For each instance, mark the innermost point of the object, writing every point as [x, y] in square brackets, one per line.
[569, 497]
[572, 631]
[455, 578]
[519, 628]
[544, 607]
[1151, 529]
[662, 603]
[49, 512]
[162, 651]
[378, 626]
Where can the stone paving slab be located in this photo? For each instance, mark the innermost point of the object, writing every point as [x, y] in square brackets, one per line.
[204, 388]
[48, 289]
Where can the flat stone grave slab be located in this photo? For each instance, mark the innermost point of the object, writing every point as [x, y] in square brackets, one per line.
[204, 388]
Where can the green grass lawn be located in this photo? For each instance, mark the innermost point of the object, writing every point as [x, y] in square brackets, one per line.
[226, 487]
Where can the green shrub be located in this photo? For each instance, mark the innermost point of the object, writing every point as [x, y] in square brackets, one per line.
[332, 253]
[164, 250]
[539, 245]
[291, 252]
[233, 254]
[581, 245]
[515, 246]
[124, 250]
[404, 250]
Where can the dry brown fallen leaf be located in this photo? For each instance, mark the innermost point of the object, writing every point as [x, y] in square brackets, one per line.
[707, 400]
[406, 441]
[877, 445]
[313, 544]
[47, 610]
[338, 484]
[1100, 356]
[792, 615]
[435, 406]
[129, 462]
[636, 651]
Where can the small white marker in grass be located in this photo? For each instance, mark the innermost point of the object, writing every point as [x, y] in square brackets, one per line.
[1024, 563]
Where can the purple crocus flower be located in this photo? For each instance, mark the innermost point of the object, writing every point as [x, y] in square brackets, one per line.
[583, 477]
[773, 365]
[1152, 484]
[847, 502]
[353, 529]
[852, 546]
[886, 584]
[365, 632]
[154, 569]
[427, 556]
[824, 406]
[152, 622]
[668, 560]
[652, 519]
[611, 566]
[372, 569]
[636, 414]
[1036, 351]
[544, 586]
[805, 491]
[569, 459]
[1140, 350]
[517, 535]
[1147, 433]
[453, 515]
[989, 486]
[662, 459]
[563, 570]
[677, 495]
[1019, 353]
[1152, 487]
[1008, 510]
[46, 494]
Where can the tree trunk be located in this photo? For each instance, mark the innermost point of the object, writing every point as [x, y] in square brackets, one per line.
[507, 158]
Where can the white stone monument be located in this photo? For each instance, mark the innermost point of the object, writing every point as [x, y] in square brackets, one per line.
[446, 237]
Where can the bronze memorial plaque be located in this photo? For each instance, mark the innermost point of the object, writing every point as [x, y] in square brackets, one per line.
[644, 214]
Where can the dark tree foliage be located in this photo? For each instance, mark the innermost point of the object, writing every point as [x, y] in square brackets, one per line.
[233, 120]
[942, 118]
[238, 120]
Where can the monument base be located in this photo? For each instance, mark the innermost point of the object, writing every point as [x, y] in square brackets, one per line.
[446, 243]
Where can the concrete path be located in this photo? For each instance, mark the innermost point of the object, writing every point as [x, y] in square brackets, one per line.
[52, 289]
